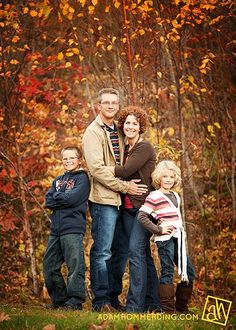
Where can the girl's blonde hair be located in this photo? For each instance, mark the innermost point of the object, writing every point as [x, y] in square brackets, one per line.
[166, 165]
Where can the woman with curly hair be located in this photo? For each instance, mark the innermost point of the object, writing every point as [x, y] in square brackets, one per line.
[132, 240]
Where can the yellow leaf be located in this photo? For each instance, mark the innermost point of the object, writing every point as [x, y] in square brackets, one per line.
[25, 10]
[113, 39]
[175, 24]
[21, 247]
[117, 4]
[171, 131]
[124, 40]
[98, 43]
[64, 107]
[91, 9]
[33, 13]
[81, 58]
[67, 65]
[211, 55]
[70, 41]
[159, 74]
[75, 51]
[71, 10]
[162, 39]
[109, 47]
[60, 56]
[141, 32]
[217, 125]
[136, 65]
[69, 54]
[210, 128]
[203, 90]
[94, 2]
[99, 28]
[14, 62]
[191, 79]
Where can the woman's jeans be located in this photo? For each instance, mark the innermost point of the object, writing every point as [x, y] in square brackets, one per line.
[132, 241]
[69, 249]
[168, 254]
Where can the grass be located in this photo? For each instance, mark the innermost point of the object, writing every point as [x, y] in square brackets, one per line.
[37, 317]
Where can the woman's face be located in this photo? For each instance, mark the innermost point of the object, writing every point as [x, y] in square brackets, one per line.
[131, 127]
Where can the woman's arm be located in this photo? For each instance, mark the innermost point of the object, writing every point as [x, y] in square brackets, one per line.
[141, 153]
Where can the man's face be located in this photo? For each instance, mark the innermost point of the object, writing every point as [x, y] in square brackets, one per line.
[108, 107]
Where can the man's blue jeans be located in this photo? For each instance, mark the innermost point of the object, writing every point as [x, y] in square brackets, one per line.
[69, 249]
[104, 218]
[132, 241]
[168, 253]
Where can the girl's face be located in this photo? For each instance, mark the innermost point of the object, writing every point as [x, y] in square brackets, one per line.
[167, 179]
[131, 127]
[70, 160]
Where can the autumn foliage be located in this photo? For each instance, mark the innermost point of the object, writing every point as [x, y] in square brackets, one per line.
[174, 58]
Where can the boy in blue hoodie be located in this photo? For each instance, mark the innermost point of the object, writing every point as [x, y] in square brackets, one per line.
[67, 198]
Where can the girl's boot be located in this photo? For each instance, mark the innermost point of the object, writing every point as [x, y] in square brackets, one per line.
[167, 297]
[183, 295]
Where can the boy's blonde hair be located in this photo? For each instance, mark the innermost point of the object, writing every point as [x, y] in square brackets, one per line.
[166, 165]
[74, 148]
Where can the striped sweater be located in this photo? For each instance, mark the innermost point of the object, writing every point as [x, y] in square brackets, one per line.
[163, 211]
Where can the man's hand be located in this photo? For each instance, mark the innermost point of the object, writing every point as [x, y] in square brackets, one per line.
[136, 188]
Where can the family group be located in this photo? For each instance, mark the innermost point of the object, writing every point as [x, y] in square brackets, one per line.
[130, 198]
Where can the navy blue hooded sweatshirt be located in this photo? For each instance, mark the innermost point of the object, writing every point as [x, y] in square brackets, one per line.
[68, 199]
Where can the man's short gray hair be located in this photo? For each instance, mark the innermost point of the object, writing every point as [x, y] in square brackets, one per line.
[108, 91]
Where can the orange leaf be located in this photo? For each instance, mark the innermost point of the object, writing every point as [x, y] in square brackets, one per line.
[49, 327]
[33, 13]
[101, 326]
[4, 317]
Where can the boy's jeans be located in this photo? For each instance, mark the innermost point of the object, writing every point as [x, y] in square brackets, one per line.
[168, 253]
[69, 249]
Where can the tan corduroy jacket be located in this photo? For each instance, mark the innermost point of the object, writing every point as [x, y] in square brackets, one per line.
[98, 153]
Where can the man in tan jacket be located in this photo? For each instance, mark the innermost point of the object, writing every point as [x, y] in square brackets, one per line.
[103, 146]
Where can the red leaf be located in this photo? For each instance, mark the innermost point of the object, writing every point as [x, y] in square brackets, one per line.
[8, 188]
[8, 223]
[3, 173]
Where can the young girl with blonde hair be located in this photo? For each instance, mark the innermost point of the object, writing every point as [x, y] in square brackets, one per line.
[165, 222]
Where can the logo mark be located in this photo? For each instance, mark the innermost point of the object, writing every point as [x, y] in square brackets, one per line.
[216, 310]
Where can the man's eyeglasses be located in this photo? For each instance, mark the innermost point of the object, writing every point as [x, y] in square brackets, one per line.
[107, 103]
[70, 158]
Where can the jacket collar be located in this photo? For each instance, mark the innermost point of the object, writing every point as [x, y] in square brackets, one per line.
[98, 119]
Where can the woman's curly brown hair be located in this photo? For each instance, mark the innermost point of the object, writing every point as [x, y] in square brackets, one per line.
[137, 112]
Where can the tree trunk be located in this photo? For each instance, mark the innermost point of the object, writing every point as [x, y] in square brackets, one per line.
[27, 229]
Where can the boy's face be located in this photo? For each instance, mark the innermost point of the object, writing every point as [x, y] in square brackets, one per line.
[70, 160]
